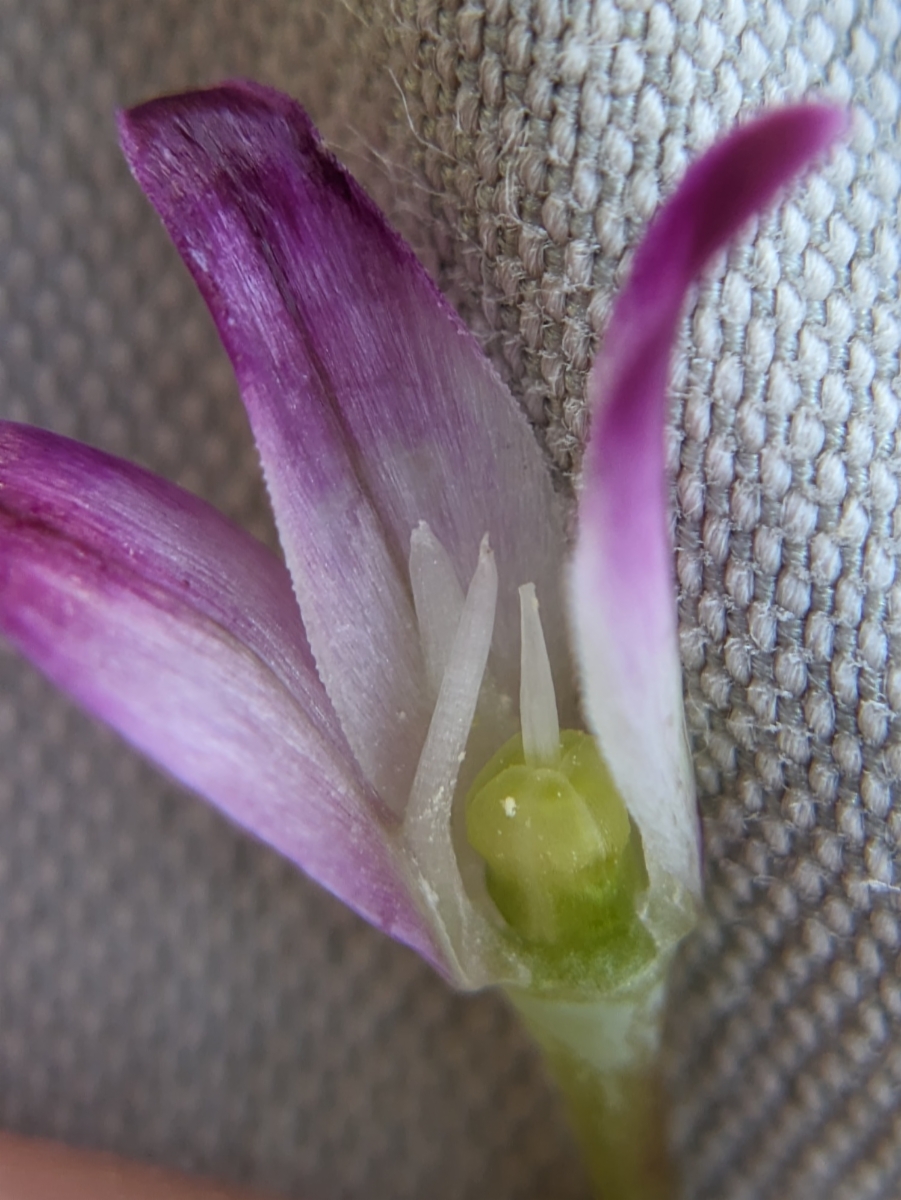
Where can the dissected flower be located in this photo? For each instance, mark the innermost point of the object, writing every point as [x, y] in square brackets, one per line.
[398, 708]
[356, 708]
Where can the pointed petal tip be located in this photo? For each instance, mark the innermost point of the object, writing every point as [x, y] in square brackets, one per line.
[738, 177]
[621, 586]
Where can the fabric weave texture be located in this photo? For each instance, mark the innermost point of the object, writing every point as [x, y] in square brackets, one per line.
[169, 989]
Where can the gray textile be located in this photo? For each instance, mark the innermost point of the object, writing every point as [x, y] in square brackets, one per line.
[173, 991]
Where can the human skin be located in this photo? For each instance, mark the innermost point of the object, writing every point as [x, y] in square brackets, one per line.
[35, 1169]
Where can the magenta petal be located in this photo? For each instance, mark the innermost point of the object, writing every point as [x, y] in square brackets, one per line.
[623, 593]
[372, 406]
[182, 632]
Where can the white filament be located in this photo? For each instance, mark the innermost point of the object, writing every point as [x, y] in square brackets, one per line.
[438, 600]
[427, 823]
[537, 700]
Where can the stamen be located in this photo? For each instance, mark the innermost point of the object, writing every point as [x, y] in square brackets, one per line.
[428, 816]
[537, 699]
[438, 600]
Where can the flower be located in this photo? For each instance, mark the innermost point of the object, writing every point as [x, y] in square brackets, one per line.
[343, 706]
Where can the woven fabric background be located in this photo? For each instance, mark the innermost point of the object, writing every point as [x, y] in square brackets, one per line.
[173, 991]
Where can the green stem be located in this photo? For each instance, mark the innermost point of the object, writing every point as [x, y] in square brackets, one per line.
[619, 1121]
[604, 1054]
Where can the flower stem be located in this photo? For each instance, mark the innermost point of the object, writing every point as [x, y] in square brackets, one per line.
[619, 1121]
[604, 1055]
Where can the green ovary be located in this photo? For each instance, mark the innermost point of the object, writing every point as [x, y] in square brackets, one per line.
[564, 864]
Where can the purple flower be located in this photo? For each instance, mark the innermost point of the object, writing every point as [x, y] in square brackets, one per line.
[337, 706]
